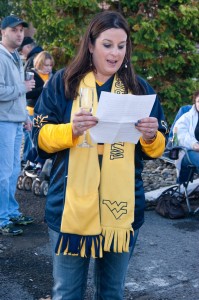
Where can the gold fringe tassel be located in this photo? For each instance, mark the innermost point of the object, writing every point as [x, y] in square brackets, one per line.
[118, 237]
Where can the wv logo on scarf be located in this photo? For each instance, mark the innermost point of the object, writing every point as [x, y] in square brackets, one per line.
[117, 151]
[117, 209]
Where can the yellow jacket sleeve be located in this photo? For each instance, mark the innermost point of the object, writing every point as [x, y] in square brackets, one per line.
[54, 138]
[156, 148]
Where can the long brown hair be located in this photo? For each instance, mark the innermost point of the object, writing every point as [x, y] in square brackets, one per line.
[195, 95]
[81, 64]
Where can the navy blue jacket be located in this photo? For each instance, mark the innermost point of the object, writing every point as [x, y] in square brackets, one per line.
[53, 103]
[30, 58]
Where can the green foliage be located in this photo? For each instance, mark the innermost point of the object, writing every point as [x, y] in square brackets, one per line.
[60, 24]
[164, 35]
[4, 8]
[164, 40]
[8, 7]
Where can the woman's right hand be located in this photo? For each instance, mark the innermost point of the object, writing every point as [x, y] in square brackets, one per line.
[196, 147]
[30, 84]
[83, 121]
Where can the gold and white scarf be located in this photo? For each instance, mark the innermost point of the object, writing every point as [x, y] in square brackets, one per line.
[99, 203]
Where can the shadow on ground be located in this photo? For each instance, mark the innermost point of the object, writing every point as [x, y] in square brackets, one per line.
[164, 267]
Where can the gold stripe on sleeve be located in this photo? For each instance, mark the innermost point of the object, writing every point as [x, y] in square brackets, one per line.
[53, 138]
[156, 148]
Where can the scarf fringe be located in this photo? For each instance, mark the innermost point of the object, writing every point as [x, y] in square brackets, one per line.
[84, 246]
[117, 239]
[112, 240]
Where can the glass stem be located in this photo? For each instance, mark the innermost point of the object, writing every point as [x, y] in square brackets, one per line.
[84, 141]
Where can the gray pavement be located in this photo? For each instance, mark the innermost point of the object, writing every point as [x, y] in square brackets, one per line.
[165, 265]
[166, 260]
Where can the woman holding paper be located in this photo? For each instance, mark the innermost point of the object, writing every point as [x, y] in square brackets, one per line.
[95, 203]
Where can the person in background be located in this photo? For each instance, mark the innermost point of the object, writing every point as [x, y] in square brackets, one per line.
[96, 199]
[43, 70]
[180, 112]
[13, 113]
[29, 49]
[188, 135]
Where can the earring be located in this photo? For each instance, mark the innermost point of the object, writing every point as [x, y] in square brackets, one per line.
[91, 61]
[126, 63]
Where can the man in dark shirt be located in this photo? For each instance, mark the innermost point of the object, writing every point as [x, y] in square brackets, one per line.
[29, 49]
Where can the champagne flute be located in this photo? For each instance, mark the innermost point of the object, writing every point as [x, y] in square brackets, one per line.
[86, 103]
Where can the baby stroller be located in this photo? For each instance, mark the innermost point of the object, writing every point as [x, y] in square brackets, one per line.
[37, 182]
[23, 182]
[40, 183]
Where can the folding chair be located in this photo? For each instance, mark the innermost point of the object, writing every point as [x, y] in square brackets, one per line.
[186, 175]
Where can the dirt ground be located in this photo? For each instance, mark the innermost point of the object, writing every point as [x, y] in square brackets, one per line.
[162, 268]
[24, 256]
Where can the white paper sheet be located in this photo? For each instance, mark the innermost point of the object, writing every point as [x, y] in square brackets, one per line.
[117, 114]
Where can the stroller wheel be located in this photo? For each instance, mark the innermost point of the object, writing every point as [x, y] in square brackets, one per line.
[36, 187]
[19, 182]
[44, 188]
[27, 183]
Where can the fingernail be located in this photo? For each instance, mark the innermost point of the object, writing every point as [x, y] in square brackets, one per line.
[136, 124]
[139, 121]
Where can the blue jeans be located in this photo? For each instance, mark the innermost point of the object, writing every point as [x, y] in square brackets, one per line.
[28, 144]
[184, 172]
[70, 274]
[194, 158]
[10, 145]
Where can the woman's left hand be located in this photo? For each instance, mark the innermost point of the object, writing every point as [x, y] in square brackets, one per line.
[148, 127]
